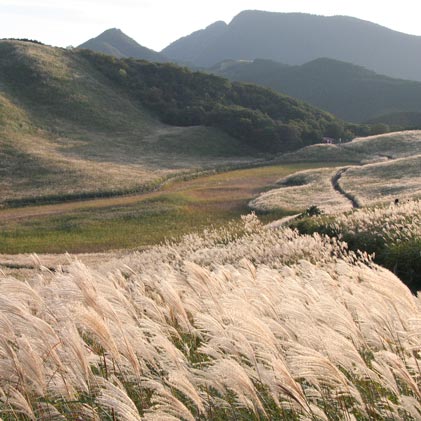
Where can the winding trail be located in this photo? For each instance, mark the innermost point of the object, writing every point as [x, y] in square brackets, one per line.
[336, 186]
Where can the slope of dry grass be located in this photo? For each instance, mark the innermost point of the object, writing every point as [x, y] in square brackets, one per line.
[268, 325]
[302, 190]
[389, 145]
[389, 169]
[384, 182]
[390, 233]
[70, 133]
[362, 150]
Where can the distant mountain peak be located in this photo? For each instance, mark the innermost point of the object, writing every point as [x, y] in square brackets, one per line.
[348, 91]
[217, 25]
[113, 30]
[297, 38]
[115, 42]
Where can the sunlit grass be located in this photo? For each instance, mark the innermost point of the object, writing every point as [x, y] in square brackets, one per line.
[266, 325]
[182, 207]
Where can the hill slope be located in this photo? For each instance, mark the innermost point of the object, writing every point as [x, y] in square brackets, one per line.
[76, 123]
[388, 168]
[296, 38]
[65, 132]
[116, 43]
[348, 91]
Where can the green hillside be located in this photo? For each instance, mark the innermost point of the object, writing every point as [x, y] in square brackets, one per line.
[66, 133]
[348, 91]
[260, 118]
[76, 124]
[409, 120]
[116, 43]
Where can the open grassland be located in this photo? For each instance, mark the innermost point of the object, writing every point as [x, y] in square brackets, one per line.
[389, 145]
[362, 150]
[269, 325]
[384, 182]
[42, 169]
[325, 153]
[75, 124]
[299, 191]
[135, 221]
[390, 169]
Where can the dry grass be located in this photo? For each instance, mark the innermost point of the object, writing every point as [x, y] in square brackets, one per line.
[389, 145]
[180, 207]
[302, 190]
[325, 153]
[383, 182]
[362, 150]
[269, 325]
[390, 168]
[80, 136]
[393, 225]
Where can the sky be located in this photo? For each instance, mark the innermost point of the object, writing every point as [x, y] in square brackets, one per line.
[156, 23]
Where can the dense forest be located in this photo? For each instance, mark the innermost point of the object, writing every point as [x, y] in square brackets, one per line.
[263, 119]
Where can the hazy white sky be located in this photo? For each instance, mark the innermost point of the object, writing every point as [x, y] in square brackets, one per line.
[156, 23]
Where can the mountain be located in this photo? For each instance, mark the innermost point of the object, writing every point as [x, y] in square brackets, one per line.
[409, 120]
[350, 92]
[116, 43]
[186, 49]
[76, 124]
[297, 38]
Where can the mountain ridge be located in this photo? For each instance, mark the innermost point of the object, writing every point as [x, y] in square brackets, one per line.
[296, 38]
[335, 86]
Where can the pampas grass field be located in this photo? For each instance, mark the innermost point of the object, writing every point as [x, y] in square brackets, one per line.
[302, 190]
[243, 321]
[390, 170]
[383, 182]
[240, 323]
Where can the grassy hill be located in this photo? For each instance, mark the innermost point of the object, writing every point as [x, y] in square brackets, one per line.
[297, 38]
[298, 192]
[388, 167]
[362, 150]
[262, 119]
[347, 91]
[67, 133]
[383, 182]
[116, 43]
[77, 124]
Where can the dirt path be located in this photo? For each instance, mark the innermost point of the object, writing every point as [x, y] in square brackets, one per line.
[60, 208]
[336, 186]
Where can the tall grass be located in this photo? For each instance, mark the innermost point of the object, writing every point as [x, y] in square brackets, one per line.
[303, 189]
[268, 324]
[391, 233]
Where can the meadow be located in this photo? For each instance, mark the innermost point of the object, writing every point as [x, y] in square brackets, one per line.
[135, 221]
[66, 133]
[303, 189]
[387, 168]
[269, 324]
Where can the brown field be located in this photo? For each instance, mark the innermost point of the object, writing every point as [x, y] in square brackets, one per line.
[136, 221]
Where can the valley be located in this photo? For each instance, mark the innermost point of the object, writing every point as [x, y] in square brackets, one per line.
[136, 221]
[178, 245]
